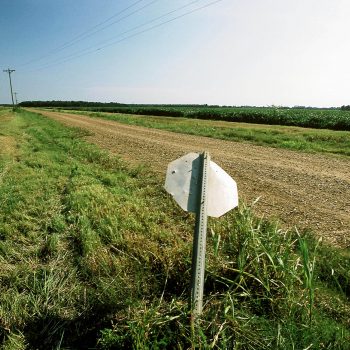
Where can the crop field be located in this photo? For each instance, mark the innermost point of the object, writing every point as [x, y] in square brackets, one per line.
[334, 119]
[94, 254]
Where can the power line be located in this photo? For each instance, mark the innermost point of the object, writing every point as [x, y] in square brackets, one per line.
[89, 50]
[161, 24]
[145, 23]
[87, 33]
[92, 48]
[103, 22]
[110, 24]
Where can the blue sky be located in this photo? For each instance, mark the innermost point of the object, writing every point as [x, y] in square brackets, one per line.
[233, 52]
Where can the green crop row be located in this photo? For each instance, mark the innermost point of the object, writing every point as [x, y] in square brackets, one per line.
[333, 119]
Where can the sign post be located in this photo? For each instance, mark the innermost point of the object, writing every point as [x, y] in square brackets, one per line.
[200, 238]
[199, 185]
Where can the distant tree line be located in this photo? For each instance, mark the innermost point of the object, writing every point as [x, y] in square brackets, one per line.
[345, 108]
[64, 104]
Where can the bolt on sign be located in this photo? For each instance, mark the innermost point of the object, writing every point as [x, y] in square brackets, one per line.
[200, 186]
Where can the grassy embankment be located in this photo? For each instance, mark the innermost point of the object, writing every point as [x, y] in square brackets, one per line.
[95, 254]
[290, 137]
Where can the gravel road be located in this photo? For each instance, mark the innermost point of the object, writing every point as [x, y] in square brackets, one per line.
[307, 190]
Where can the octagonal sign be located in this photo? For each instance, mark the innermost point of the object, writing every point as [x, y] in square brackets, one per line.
[183, 183]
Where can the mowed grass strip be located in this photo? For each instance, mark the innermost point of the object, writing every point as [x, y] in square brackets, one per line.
[289, 137]
[94, 254]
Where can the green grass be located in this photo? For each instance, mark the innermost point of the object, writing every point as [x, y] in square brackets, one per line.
[295, 138]
[94, 254]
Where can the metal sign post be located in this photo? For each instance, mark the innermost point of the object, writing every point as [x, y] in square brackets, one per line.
[199, 185]
[200, 238]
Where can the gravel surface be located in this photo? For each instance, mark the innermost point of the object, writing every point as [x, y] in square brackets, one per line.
[310, 191]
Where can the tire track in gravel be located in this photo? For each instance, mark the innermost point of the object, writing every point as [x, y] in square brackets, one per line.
[307, 190]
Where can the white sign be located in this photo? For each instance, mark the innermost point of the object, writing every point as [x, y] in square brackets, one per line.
[183, 176]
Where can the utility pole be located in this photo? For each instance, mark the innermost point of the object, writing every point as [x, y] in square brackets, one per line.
[16, 93]
[9, 71]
